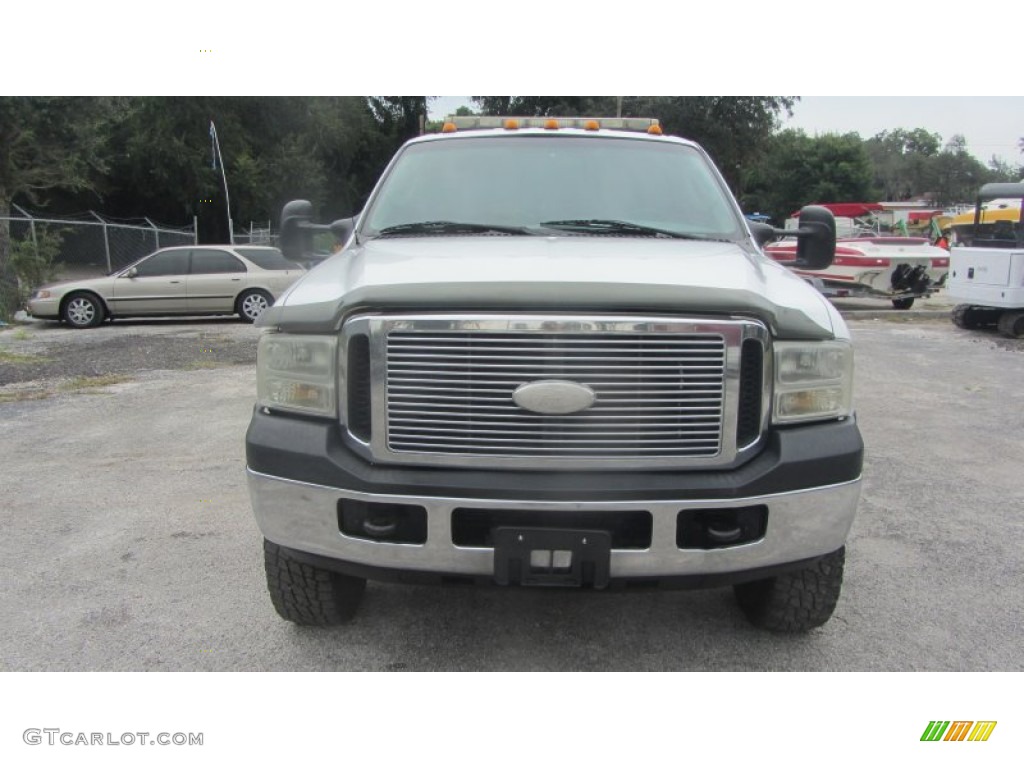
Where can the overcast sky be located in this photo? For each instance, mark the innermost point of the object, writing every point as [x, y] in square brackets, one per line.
[992, 125]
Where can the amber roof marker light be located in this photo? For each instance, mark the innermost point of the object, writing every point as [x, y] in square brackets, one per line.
[509, 123]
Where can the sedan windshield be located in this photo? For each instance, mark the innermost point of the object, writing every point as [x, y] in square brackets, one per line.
[531, 184]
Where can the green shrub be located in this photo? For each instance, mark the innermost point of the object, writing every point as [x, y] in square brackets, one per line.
[34, 263]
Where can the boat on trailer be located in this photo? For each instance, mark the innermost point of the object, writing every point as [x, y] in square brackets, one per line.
[871, 260]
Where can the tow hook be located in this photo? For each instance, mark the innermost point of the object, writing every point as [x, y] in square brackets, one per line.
[380, 527]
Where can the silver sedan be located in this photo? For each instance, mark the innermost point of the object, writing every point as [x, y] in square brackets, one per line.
[186, 280]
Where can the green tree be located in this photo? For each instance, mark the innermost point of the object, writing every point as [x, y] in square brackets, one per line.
[796, 170]
[543, 106]
[46, 143]
[903, 162]
[1000, 170]
[958, 174]
[328, 150]
[402, 117]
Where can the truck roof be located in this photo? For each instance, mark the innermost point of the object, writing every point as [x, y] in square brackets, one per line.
[485, 126]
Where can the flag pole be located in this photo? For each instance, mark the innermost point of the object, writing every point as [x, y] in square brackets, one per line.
[227, 199]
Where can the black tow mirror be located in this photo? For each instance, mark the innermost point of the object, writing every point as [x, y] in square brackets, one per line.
[296, 239]
[815, 237]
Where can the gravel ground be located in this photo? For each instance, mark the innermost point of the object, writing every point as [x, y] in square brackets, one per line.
[40, 358]
[129, 541]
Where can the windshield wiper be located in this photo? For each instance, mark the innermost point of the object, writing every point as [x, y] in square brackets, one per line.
[616, 227]
[451, 228]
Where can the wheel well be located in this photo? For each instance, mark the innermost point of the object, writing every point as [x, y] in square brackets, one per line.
[84, 292]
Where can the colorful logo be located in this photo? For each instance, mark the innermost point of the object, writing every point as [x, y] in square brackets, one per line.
[958, 730]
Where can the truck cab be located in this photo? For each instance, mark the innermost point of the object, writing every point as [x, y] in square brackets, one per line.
[552, 353]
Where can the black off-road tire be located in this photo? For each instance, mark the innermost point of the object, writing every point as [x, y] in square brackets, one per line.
[1011, 324]
[797, 601]
[251, 304]
[903, 303]
[307, 595]
[83, 310]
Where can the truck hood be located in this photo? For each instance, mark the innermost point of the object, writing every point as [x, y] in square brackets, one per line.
[553, 274]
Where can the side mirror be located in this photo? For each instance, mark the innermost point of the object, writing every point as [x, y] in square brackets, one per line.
[298, 231]
[815, 237]
[131, 272]
[342, 229]
[763, 233]
[296, 239]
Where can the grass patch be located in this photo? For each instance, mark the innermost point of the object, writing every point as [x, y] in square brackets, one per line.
[79, 385]
[14, 358]
[88, 384]
[17, 396]
[199, 365]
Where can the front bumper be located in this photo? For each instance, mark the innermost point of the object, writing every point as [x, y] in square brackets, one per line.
[44, 309]
[801, 526]
[807, 477]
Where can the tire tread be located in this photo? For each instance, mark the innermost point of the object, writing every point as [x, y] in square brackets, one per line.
[307, 595]
[797, 601]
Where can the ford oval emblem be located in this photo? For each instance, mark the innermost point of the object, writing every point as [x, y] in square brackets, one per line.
[554, 396]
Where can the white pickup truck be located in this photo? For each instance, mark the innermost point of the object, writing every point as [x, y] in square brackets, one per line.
[553, 353]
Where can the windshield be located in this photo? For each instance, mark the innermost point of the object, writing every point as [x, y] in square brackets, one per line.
[552, 184]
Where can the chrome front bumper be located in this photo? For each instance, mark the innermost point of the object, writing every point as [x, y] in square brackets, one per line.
[801, 524]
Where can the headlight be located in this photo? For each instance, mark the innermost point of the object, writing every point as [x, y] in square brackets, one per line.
[813, 381]
[41, 295]
[297, 373]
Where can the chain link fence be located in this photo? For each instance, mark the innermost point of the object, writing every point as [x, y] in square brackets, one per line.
[96, 244]
[257, 235]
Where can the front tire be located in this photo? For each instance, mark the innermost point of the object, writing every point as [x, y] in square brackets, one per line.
[307, 595]
[83, 310]
[797, 601]
[251, 304]
[903, 303]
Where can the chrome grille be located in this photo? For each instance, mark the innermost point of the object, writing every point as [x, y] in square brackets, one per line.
[451, 392]
[439, 390]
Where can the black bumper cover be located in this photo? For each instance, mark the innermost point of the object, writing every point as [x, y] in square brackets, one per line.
[793, 458]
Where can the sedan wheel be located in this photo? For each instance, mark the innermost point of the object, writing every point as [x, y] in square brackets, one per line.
[252, 304]
[83, 311]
